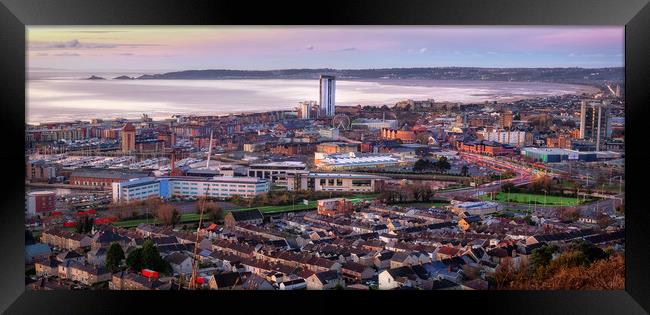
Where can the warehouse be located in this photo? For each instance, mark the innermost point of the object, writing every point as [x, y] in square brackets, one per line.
[556, 155]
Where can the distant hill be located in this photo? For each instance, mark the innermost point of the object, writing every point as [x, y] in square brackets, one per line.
[94, 77]
[123, 77]
[558, 75]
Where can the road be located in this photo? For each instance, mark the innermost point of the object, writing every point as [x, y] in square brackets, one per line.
[523, 176]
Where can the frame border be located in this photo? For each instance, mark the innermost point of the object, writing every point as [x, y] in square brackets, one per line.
[15, 15]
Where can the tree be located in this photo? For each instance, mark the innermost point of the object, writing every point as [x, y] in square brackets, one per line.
[464, 171]
[29, 238]
[168, 214]
[568, 213]
[604, 220]
[590, 251]
[84, 224]
[147, 257]
[114, 256]
[422, 192]
[134, 260]
[442, 165]
[214, 212]
[542, 256]
[421, 165]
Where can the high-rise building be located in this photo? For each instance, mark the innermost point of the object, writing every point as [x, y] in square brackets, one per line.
[306, 108]
[506, 120]
[327, 94]
[594, 121]
[128, 138]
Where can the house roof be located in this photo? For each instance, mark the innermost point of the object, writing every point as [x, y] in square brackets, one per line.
[68, 255]
[327, 276]
[37, 249]
[355, 267]
[440, 284]
[247, 215]
[228, 279]
[176, 258]
[447, 250]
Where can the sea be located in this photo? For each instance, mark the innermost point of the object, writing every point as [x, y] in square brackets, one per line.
[54, 96]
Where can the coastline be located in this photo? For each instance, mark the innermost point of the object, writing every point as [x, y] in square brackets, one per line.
[386, 92]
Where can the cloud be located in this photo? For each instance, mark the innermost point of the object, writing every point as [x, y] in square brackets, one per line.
[76, 44]
[125, 54]
[349, 49]
[310, 47]
[422, 50]
[67, 54]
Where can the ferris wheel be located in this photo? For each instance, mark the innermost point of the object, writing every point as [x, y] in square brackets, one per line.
[341, 121]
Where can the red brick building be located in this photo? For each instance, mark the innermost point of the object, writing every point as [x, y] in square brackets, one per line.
[406, 136]
[293, 149]
[334, 206]
[102, 178]
[40, 202]
[484, 147]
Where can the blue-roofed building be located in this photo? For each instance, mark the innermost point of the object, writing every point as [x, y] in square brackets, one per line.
[36, 251]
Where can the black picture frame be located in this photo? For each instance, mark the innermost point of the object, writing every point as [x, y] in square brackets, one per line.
[16, 14]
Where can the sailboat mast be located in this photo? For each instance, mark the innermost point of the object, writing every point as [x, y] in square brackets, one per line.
[207, 163]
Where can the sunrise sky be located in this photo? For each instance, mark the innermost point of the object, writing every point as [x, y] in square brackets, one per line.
[168, 48]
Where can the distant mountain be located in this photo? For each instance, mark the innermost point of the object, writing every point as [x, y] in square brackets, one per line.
[123, 77]
[94, 77]
[559, 75]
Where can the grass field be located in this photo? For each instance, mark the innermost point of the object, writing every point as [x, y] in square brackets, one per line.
[539, 199]
[194, 217]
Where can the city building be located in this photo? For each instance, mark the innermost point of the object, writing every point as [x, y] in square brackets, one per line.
[308, 109]
[557, 155]
[560, 141]
[336, 182]
[484, 147]
[221, 187]
[277, 172]
[375, 124]
[331, 133]
[354, 160]
[328, 95]
[128, 138]
[513, 138]
[337, 147]
[594, 121]
[506, 119]
[40, 202]
[101, 178]
[40, 171]
[65, 239]
[405, 135]
[334, 206]
[475, 208]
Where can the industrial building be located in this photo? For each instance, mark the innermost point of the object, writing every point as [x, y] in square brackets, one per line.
[375, 124]
[556, 155]
[353, 160]
[336, 182]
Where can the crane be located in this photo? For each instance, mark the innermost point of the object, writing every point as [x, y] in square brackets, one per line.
[195, 264]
